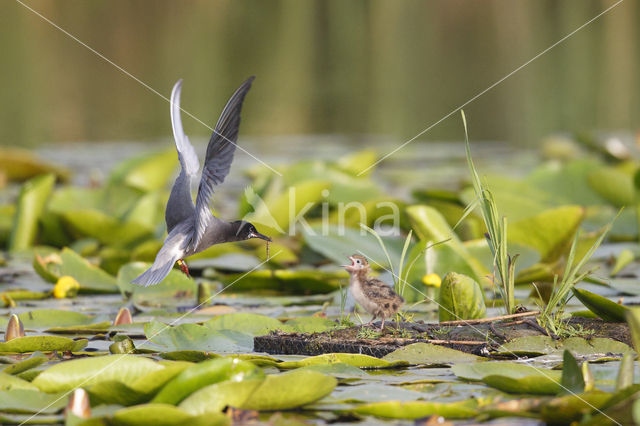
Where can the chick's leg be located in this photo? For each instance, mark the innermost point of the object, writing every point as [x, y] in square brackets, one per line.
[371, 322]
[382, 325]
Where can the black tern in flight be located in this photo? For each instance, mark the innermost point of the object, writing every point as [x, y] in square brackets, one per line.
[191, 228]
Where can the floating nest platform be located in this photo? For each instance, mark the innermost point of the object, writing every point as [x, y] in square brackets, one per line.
[478, 338]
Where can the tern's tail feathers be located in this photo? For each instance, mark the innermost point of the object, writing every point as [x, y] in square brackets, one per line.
[173, 249]
[154, 275]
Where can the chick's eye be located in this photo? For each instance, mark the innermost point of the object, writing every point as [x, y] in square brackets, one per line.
[357, 261]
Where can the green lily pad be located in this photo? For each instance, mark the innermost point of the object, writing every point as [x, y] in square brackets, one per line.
[356, 360]
[31, 204]
[549, 232]
[103, 227]
[89, 371]
[96, 328]
[536, 384]
[419, 409]
[8, 382]
[427, 353]
[31, 401]
[542, 345]
[25, 364]
[569, 408]
[147, 172]
[91, 278]
[460, 298]
[41, 319]
[613, 185]
[275, 392]
[214, 398]
[197, 337]
[42, 343]
[601, 306]
[204, 374]
[339, 370]
[164, 415]
[20, 164]
[273, 213]
[479, 370]
[136, 392]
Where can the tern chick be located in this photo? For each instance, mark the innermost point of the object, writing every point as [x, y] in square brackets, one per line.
[376, 297]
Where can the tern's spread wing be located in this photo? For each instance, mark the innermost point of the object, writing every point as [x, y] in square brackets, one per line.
[180, 205]
[217, 163]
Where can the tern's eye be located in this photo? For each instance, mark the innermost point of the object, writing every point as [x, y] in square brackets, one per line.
[358, 261]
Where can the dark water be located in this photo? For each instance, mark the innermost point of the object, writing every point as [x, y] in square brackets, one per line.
[322, 67]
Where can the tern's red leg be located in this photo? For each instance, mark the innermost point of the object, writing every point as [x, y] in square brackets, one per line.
[183, 267]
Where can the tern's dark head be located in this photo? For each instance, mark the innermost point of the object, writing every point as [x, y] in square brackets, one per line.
[245, 231]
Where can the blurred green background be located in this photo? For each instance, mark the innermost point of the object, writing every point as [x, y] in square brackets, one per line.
[323, 67]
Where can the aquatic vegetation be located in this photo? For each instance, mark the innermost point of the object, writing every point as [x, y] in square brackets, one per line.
[183, 350]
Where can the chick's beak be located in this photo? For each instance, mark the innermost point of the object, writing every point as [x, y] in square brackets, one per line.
[350, 268]
[259, 235]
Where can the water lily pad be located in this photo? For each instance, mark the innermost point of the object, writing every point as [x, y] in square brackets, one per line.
[203, 374]
[91, 278]
[214, 398]
[613, 185]
[418, 409]
[42, 343]
[96, 328]
[601, 306]
[373, 392]
[147, 172]
[536, 384]
[427, 353]
[549, 232]
[568, 408]
[273, 212]
[40, 319]
[105, 228]
[356, 360]
[480, 370]
[31, 203]
[21, 164]
[164, 415]
[31, 401]
[89, 371]
[197, 337]
[289, 390]
[8, 381]
[25, 364]
[138, 391]
[541, 345]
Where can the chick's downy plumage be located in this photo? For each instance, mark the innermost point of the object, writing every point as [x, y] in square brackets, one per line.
[374, 295]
